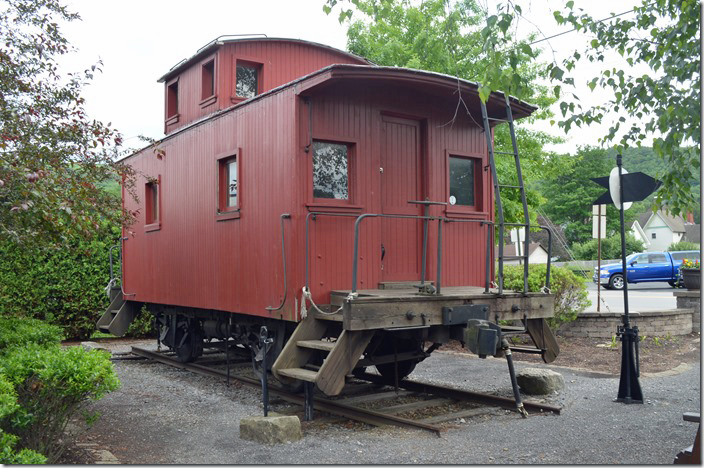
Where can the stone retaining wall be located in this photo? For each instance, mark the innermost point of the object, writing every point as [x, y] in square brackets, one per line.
[691, 300]
[651, 323]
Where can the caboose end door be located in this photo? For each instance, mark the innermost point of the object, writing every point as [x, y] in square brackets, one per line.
[400, 175]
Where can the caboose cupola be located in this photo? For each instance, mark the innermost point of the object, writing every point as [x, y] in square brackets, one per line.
[231, 69]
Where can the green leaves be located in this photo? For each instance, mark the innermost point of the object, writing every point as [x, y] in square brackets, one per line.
[52, 156]
[49, 386]
[570, 291]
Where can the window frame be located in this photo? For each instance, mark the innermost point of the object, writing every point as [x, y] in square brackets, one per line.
[208, 67]
[152, 221]
[249, 63]
[172, 115]
[223, 211]
[478, 207]
[334, 204]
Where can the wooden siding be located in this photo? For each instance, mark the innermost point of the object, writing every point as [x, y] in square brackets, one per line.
[355, 111]
[281, 62]
[197, 260]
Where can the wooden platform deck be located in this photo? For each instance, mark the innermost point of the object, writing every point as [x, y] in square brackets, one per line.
[406, 307]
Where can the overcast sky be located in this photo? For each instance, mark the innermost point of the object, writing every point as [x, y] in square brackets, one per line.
[139, 41]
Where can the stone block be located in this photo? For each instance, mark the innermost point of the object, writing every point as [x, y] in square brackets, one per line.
[272, 429]
[534, 381]
[92, 345]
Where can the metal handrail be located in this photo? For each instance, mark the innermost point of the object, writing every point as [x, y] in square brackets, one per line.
[112, 271]
[528, 226]
[488, 264]
[283, 254]
[122, 271]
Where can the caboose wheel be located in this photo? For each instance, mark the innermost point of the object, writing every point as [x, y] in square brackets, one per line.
[189, 342]
[388, 371]
[393, 372]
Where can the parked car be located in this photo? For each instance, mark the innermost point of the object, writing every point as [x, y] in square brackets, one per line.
[645, 267]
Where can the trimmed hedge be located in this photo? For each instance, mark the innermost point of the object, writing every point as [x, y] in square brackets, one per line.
[63, 285]
[570, 290]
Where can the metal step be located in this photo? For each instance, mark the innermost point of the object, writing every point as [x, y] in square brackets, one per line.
[316, 344]
[117, 318]
[300, 374]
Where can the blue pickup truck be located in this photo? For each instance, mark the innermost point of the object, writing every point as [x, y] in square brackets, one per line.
[645, 267]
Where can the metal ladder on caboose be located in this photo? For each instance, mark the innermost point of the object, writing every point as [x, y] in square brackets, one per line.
[497, 193]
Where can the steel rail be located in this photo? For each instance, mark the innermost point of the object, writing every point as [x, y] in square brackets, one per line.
[463, 394]
[329, 406]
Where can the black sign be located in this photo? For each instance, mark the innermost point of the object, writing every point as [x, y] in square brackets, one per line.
[636, 187]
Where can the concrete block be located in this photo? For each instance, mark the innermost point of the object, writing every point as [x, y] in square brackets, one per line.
[534, 381]
[272, 429]
[91, 345]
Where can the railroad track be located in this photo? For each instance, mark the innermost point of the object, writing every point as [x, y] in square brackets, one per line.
[428, 406]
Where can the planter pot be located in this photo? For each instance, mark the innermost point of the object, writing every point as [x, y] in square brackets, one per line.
[691, 278]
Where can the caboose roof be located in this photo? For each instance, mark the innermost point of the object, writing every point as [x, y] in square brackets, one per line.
[427, 81]
[220, 41]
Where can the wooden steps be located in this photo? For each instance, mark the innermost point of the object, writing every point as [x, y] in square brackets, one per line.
[317, 344]
[342, 355]
[300, 374]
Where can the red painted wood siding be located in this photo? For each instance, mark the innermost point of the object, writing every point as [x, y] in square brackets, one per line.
[235, 265]
[281, 62]
[356, 112]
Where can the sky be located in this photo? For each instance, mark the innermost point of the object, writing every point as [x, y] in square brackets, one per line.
[139, 41]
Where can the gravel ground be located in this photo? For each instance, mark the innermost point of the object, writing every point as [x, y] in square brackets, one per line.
[165, 415]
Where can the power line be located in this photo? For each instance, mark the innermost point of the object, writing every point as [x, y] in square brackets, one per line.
[574, 29]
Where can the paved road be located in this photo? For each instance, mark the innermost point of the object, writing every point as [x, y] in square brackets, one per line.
[641, 297]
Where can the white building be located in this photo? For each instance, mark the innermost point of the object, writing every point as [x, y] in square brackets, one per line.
[536, 254]
[658, 230]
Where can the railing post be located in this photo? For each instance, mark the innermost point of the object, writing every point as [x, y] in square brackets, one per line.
[426, 212]
[356, 249]
[547, 273]
[487, 278]
[439, 272]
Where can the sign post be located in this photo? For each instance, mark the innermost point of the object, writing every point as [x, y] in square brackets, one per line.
[624, 189]
[598, 225]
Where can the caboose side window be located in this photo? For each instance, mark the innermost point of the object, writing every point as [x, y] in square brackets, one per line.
[330, 170]
[208, 80]
[172, 99]
[229, 196]
[151, 204]
[231, 181]
[462, 181]
[246, 80]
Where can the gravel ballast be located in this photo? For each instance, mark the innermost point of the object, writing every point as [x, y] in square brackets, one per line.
[167, 415]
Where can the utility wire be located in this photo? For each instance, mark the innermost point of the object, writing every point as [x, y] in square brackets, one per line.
[574, 29]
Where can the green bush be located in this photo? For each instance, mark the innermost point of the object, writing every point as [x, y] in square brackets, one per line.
[569, 289]
[143, 325]
[15, 332]
[9, 456]
[683, 245]
[42, 387]
[59, 285]
[610, 248]
[8, 406]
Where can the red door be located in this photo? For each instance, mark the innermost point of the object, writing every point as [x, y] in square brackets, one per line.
[400, 170]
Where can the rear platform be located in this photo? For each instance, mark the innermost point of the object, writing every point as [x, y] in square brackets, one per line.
[406, 307]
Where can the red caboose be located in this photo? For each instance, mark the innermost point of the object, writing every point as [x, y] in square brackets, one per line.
[348, 207]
